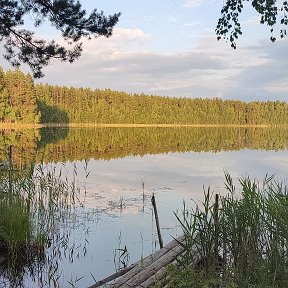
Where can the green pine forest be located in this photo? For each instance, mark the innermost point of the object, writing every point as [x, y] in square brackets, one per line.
[23, 101]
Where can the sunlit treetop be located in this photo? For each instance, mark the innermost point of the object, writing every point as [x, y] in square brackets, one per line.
[67, 16]
[271, 13]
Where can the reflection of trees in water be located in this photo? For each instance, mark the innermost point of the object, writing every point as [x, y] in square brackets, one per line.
[109, 143]
[24, 145]
[61, 144]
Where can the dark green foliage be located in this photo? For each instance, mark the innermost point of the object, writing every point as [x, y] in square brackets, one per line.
[4, 98]
[67, 16]
[14, 214]
[51, 114]
[271, 13]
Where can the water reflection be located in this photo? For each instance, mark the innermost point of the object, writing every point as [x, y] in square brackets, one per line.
[63, 144]
[114, 195]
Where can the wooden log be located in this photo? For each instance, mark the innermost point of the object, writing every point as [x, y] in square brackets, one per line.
[153, 268]
[112, 277]
[146, 262]
[159, 275]
[147, 271]
[123, 271]
[153, 279]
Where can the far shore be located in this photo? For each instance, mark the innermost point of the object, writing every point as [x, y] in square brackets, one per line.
[9, 126]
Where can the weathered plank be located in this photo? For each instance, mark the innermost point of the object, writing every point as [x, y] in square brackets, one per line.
[113, 276]
[151, 269]
[153, 279]
[143, 265]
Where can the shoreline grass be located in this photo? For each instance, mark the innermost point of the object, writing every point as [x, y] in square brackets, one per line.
[33, 208]
[12, 126]
[244, 243]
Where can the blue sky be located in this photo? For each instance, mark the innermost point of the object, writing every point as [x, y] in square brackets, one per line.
[169, 47]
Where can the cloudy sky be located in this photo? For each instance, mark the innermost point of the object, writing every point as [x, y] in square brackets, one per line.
[169, 47]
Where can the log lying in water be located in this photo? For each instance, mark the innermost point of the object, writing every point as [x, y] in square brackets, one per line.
[151, 269]
[149, 265]
[113, 276]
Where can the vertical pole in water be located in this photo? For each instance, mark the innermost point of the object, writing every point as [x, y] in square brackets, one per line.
[216, 223]
[10, 169]
[143, 196]
[157, 221]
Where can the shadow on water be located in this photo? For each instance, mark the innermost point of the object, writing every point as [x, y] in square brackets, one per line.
[51, 135]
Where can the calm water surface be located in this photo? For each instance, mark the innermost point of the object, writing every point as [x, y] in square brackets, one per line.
[118, 170]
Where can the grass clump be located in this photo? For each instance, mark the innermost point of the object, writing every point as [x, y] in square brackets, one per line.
[239, 240]
[33, 211]
[16, 225]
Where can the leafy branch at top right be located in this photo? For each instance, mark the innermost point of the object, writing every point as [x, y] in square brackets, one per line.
[271, 13]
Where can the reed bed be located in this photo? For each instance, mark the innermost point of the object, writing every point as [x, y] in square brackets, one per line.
[35, 207]
[242, 238]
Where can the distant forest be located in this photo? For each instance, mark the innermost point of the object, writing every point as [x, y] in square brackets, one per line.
[21, 101]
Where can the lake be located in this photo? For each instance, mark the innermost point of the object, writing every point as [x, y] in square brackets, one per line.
[118, 169]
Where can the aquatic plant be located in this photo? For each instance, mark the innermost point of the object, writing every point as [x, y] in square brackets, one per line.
[35, 207]
[16, 228]
[241, 238]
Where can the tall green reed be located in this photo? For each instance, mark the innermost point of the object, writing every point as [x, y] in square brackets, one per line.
[242, 242]
[36, 206]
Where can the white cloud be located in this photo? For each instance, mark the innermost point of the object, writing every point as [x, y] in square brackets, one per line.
[278, 86]
[192, 3]
[121, 39]
[209, 69]
[121, 34]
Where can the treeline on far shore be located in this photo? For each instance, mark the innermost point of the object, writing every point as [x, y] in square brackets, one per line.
[21, 101]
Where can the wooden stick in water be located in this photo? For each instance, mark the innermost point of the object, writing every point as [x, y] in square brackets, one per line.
[157, 221]
[216, 222]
